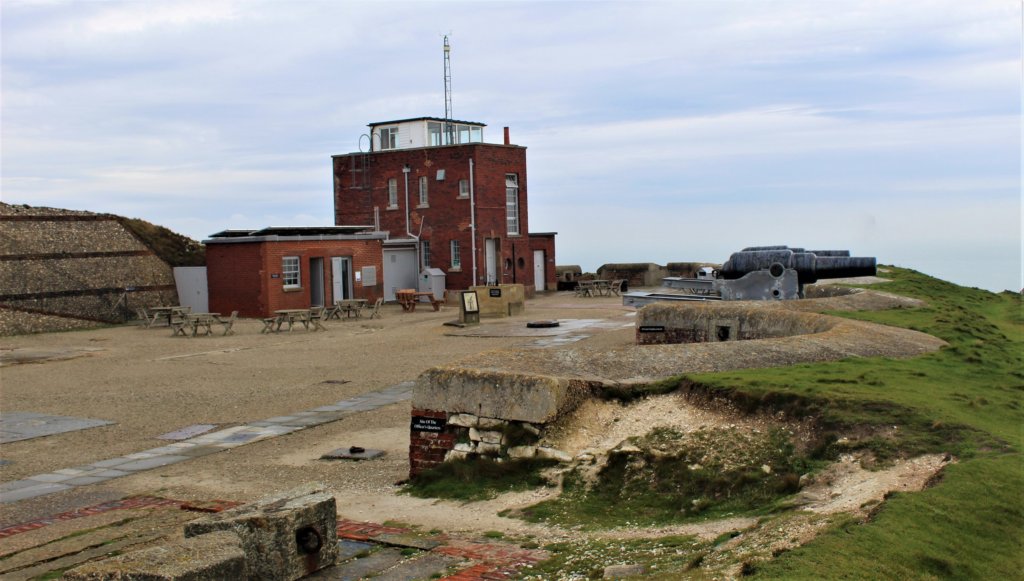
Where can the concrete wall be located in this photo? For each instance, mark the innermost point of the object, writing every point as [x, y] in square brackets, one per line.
[660, 323]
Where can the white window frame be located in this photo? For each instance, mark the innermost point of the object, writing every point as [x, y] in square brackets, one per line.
[512, 203]
[456, 255]
[435, 133]
[291, 271]
[425, 253]
[388, 137]
[424, 183]
[392, 193]
[463, 188]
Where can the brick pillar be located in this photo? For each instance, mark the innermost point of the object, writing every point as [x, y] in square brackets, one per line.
[427, 447]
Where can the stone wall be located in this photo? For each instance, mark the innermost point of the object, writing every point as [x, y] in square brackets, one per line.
[65, 270]
[458, 412]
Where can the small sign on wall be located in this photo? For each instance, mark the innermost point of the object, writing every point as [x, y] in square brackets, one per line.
[422, 424]
[652, 328]
[494, 292]
[275, 275]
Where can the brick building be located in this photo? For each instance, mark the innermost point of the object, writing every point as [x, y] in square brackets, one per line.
[446, 200]
[259, 272]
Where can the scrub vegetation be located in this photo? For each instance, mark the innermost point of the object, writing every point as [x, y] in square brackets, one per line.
[963, 401]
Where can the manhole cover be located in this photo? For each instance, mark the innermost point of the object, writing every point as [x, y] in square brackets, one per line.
[542, 324]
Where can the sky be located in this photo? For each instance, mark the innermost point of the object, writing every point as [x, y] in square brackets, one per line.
[655, 131]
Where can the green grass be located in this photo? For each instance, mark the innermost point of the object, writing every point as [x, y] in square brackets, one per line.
[964, 399]
[478, 478]
[675, 477]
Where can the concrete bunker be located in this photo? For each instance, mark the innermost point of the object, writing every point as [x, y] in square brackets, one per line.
[661, 323]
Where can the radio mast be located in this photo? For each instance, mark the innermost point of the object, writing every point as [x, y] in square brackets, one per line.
[449, 134]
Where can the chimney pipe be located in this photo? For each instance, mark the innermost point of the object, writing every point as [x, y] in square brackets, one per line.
[507, 140]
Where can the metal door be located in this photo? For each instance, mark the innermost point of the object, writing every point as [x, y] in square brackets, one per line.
[341, 278]
[399, 270]
[491, 260]
[538, 270]
[316, 282]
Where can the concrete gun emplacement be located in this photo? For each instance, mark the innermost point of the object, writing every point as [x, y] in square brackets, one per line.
[764, 273]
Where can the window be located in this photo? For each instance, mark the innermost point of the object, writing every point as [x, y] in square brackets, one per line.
[388, 137]
[393, 193]
[290, 272]
[463, 188]
[425, 250]
[423, 190]
[512, 202]
[434, 134]
[456, 256]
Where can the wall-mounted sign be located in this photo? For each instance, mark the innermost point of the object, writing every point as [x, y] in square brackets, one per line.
[275, 275]
[494, 292]
[422, 424]
[652, 328]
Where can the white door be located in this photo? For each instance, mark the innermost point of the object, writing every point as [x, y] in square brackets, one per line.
[341, 278]
[538, 270]
[491, 260]
[399, 271]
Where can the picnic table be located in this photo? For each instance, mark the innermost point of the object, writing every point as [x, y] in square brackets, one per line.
[186, 324]
[292, 316]
[409, 297]
[165, 313]
[350, 307]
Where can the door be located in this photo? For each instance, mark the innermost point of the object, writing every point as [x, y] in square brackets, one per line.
[538, 270]
[400, 270]
[341, 278]
[491, 260]
[316, 282]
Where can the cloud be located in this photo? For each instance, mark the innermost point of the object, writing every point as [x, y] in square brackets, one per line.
[819, 123]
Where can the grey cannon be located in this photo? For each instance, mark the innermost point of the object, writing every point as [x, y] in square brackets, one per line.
[780, 272]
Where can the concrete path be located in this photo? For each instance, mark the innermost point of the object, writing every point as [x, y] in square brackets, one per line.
[203, 445]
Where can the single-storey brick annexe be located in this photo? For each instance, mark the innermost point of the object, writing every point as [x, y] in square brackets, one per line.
[259, 272]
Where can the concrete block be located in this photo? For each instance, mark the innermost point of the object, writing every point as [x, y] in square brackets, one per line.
[537, 399]
[491, 423]
[491, 437]
[522, 452]
[488, 449]
[285, 536]
[213, 557]
[463, 420]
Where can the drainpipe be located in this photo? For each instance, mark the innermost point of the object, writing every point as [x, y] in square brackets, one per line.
[408, 230]
[472, 219]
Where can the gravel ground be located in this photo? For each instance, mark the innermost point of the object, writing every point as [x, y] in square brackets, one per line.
[151, 383]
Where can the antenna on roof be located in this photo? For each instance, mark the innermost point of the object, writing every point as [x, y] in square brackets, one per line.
[448, 131]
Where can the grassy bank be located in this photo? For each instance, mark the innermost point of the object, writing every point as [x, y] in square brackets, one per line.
[965, 400]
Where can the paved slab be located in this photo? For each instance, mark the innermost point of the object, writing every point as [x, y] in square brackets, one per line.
[194, 447]
[426, 566]
[368, 566]
[187, 432]
[17, 426]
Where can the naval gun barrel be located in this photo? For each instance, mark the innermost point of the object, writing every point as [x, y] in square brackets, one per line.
[809, 265]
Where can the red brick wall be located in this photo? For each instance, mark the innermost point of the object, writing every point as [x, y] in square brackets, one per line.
[234, 278]
[448, 216]
[427, 449]
[239, 275]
